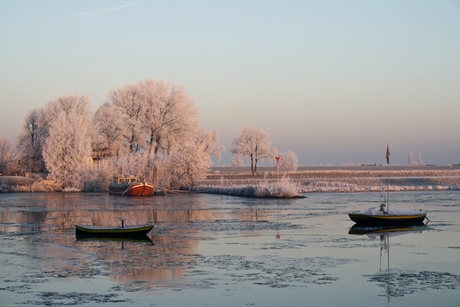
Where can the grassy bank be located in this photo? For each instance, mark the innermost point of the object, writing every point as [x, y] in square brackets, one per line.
[266, 184]
[358, 180]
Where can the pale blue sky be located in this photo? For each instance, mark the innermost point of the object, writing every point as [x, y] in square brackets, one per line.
[333, 81]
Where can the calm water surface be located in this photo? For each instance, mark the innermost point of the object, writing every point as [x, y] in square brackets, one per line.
[213, 250]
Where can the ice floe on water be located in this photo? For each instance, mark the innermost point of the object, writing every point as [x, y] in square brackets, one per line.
[217, 246]
[49, 298]
[272, 271]
[401, 283]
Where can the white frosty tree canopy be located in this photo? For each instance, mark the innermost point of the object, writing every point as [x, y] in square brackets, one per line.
[253, 143]
[288, 162]
[149, 128]
[68, 148]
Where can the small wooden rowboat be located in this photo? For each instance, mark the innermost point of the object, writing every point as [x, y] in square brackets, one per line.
[113, 232]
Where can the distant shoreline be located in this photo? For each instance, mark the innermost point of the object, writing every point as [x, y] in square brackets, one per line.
[261, 169]
[345, 178]
[308, 178]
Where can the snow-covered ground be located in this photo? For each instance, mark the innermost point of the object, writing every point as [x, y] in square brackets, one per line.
[267, 185]
[26, 184]
[283, 188]
[345, 180]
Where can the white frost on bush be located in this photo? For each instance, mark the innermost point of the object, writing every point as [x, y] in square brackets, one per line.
[340, 186]
[288, 162]
[351, 164]
[285, 188]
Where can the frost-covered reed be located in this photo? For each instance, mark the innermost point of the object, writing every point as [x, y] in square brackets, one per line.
[284, 188]
[342, 186]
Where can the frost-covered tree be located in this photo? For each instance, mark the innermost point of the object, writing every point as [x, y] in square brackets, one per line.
[137, 164]
[419, 160]
[156, 116]
[190, 163]
[37, 123]
[237, 161]
[412, 163]
[6, 153]
[169, 114]
[30, 141]
[288, 162]
[107, 122]
[168, 119]
[208, 140]
[69, 104]
[129, 104]
[67, 149]
[253, 143]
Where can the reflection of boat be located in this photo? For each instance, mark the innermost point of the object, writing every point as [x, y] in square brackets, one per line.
[384, 233]
[128, 186]
[139, 239]
[115, 232]
[385, 216]
[373, 231]
[390, 279]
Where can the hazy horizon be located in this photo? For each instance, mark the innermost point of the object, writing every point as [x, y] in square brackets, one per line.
[332, 81]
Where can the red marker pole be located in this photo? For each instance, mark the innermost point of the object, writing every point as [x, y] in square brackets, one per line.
[278, 163]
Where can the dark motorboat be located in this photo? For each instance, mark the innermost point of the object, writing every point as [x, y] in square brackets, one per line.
[394, 217]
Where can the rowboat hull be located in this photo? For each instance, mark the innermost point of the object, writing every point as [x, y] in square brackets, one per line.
[137, 239]
[112, 232]
[387, 220]
[133, 189]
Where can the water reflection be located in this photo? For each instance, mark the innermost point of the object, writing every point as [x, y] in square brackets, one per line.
[397, 282]
[384, 276]
[140, 239]
[63, 220]
[384, 234]
[374, 232]
[166, 253]
[136, 260]
[222, 244]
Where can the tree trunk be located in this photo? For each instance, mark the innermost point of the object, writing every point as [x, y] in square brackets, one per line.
[190, 176]
[151, 142]
[131, 143]
[155, 154]
[131, 146]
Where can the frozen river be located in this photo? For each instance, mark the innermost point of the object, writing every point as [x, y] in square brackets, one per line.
[213, 250]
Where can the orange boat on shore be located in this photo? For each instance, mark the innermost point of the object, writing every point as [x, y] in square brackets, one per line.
[129, 186]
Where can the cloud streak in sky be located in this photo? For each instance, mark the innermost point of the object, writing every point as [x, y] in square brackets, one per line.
[106, 10]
